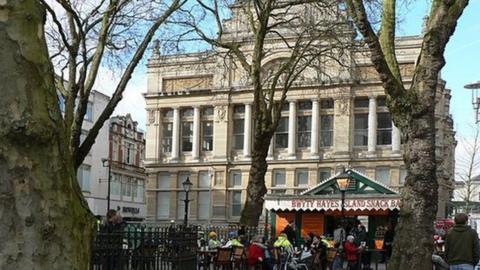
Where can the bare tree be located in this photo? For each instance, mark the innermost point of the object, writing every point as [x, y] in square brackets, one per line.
[46, 223]
[412, 109]
[468, 166]
[312, 33]
[86, 36]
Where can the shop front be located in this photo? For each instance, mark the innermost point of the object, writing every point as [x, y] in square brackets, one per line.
[320, 209]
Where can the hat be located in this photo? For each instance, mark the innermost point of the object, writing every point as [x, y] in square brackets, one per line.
[212, 234]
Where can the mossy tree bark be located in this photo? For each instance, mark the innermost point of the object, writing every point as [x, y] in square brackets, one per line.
[45, 222]
[413, 111]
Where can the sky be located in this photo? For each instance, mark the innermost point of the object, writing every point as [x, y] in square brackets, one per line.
[462, 66]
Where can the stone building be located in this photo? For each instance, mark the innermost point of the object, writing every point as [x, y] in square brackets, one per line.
[127, 148]
[199, 125]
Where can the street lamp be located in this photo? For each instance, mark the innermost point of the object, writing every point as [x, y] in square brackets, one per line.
[107, 161]
[343, 181]
[187, 185]
[475, 86]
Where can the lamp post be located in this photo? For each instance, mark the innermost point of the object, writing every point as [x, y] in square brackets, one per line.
[107, 161]
[343, 181]
[187, 185]
[475, 86]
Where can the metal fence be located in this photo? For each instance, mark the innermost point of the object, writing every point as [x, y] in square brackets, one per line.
[138, 247]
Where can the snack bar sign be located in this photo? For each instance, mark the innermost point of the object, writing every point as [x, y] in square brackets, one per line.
[350, 204]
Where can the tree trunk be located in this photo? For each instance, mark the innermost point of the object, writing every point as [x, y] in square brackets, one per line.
[45, 222]
[256, 188]
[413, 245]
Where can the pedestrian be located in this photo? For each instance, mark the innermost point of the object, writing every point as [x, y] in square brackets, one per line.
[256, 253]
[213, 243]
[289, 230]
[351, 252]
[234, 240]
[339, 235]
[462, 249]
[388, 241]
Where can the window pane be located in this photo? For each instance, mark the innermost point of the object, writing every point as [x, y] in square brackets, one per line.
[304, 105]
[187, 136]
[239, 108]
[384, 129]
[187, 112]
[207, 111]
[115, 185]
[89, 112]
[167, 113]
[382, 174]
[207, 136]
[381, 101]
[324, 174]
[238, 127]
[326, 130]
[326, 103]
[361, 102]
[167, 137]
[140, 190]
[204, 205]
[361, 129]
[304, 126]
[204, 179]
[281, 134]
[163, 180]
[302, 177]
[182, 177]
[278, 178]
[163, 204]
[236, 203]
[236, 178]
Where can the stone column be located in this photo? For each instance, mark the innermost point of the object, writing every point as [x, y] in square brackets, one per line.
[396, 141]
[152, 137]
[292, 128]
[343, 125]
[315, 129]
[196, 133]
[176, 134]
[247, 131]
[372, 124]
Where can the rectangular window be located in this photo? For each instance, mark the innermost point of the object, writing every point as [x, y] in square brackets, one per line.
[279, 191]
[167, 137]
[83, 177]
[326, 103]
[403, 175]
[187, 136]
[207, 111]
[305, 105]
[239, 109]
[129, 153]
[187, 112]
[89, 112]
[204, 179]
[203, 205]
[361, 129]
[127, 187]
[163, 180]
[382, 175]
[384, 129]
[116, 184]
[235, 178]
[207, 135]
[381, 101]
[163, 204]
[304, 129]
[236, 203]
[324, 174]
[361, 102]
[281, 134]
[238, 126]
[301, 177]
[326, 130]
[278, 178]
[140, 194]
[167, 113]
[182, 177]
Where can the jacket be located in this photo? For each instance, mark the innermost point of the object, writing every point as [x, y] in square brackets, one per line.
[351, 251]
[255, 252]
[461, 245]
